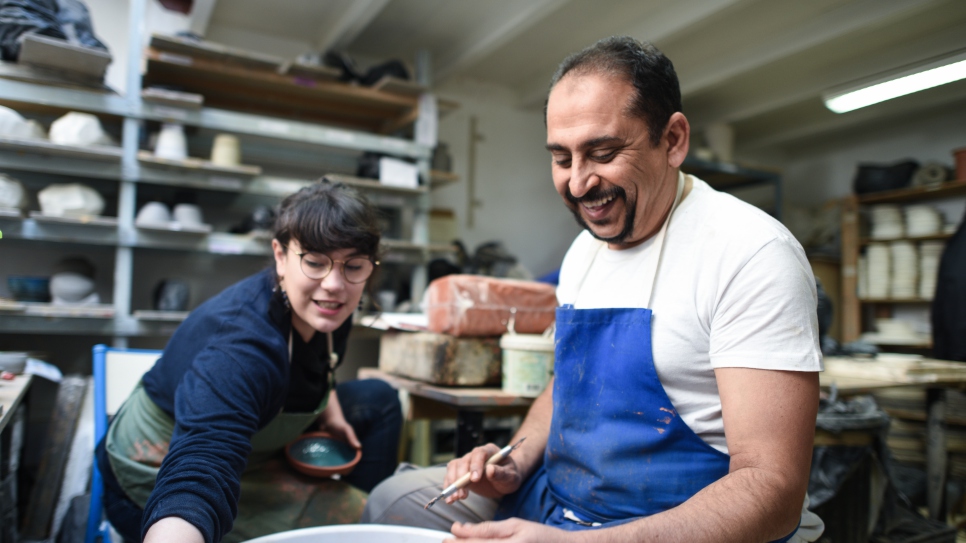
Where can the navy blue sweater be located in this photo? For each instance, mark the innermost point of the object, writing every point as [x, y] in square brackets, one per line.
[223, 376]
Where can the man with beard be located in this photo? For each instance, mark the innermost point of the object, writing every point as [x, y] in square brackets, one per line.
[686, 388]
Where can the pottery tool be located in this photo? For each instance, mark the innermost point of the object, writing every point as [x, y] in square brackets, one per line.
[465, 479]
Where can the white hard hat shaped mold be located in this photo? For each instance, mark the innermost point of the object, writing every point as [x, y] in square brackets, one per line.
[79, 129]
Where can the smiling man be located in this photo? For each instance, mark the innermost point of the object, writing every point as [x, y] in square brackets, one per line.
[685, 388]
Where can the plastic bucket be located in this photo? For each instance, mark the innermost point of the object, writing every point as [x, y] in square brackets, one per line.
[356, 533]
[527, 363]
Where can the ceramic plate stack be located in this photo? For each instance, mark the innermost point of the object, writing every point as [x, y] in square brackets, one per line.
[863, 279]
[929, 254]
[922, 220]
[887, 222]
[905, 269]
[878, 257]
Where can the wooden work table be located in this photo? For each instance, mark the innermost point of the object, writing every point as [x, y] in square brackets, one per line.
[853, 376]
[468, 405]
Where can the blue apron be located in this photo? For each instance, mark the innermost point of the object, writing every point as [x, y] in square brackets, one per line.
[617, 450]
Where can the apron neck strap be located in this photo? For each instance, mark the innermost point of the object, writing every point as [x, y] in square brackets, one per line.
[651, 272]
[655, 263]
[333, 360]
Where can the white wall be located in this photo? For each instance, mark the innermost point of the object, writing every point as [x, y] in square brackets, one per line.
[519, 204]
[821, 171]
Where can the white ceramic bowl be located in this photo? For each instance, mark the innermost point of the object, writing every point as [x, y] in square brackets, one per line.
[356, 533]
[70, 287]
[188, 215]
[153, 214]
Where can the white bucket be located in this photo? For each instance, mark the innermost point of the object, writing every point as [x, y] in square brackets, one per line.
[527, 363]
[356, 533]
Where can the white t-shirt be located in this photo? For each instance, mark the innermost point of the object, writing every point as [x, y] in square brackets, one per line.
[733, 289]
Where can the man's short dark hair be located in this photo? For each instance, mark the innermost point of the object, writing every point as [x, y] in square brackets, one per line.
[640, 64]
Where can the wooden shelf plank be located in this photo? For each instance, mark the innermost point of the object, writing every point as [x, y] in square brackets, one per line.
[268, 92]
[915, 194]
[932, 237]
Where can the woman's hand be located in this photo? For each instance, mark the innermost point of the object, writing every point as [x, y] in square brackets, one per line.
[333, 421]
[491, 481]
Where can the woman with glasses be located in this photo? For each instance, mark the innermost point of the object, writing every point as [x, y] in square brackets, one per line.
[195, 454]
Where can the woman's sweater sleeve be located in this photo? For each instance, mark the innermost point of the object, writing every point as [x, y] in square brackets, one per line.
[221, 401]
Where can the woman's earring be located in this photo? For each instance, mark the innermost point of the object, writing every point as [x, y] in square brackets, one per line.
[288, 305]
[281, 291]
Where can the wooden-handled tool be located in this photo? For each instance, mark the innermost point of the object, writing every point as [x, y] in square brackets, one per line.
[465, 479]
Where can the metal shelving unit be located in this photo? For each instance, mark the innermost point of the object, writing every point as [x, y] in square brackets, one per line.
[132, 170]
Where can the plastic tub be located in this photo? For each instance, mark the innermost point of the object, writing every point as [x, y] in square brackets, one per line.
[527, 363]
[356, 533]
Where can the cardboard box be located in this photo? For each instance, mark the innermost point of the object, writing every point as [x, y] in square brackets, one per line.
[441, 359]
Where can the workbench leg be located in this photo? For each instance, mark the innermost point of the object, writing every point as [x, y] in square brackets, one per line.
[936, 455]
[469, 430]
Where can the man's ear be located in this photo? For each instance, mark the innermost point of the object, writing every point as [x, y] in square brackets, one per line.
[678, 136]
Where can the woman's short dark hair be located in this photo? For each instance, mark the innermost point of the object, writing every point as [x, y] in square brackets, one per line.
[328, 216]
[640, 64]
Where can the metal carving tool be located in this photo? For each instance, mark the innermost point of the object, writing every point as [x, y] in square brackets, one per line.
[465, 479]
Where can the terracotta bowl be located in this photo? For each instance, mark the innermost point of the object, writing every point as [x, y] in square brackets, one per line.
[320, 455]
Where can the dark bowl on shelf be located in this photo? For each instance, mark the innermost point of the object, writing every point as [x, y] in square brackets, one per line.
[320, 455]
[25, 288]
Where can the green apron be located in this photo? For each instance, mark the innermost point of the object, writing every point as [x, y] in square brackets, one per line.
[274, 497]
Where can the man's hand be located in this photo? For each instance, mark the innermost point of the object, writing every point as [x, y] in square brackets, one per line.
[493, 481]
[509, 531]
[333, 421]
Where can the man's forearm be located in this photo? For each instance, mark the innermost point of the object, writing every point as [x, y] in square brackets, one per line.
[747, 505]
[536, 428]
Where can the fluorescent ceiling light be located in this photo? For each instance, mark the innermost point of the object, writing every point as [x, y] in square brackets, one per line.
[898, 84]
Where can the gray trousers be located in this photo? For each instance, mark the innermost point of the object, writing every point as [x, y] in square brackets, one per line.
[400, 500]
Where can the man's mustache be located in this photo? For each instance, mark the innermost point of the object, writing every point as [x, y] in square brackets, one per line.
[595, 194]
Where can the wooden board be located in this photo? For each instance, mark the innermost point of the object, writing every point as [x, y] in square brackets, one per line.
[440, 359]
[214, 51]
[310, 71]
[43, 147]
[235, 87]
[457, 397]
[198, 165]
[88, 220]
[43, 499]
[11, 394]
[52, 53]
[399, 86]
[186, 100]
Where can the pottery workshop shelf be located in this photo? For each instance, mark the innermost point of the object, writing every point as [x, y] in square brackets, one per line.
[101, 231]
[726, 176]
[916, 194]
[228, 80]
[934, 237]
[44, 157]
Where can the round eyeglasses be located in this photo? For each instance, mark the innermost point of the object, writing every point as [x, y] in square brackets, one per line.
[317, 266]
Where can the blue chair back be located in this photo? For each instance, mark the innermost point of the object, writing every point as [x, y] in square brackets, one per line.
[116, 374]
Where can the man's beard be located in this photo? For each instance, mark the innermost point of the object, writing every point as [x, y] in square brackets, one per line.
[597, 193]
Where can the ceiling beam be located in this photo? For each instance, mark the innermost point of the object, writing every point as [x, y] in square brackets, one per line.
[200, 16]
[659, 24]
[490, 38]
[351, 22]
[830, 25]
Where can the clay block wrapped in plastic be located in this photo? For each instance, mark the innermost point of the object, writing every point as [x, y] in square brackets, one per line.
[476, 305]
